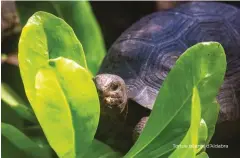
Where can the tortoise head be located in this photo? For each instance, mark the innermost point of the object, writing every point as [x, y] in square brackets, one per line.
[112, 93]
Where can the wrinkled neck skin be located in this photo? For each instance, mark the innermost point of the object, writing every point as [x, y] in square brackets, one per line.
[229, 94]
[113, 129]
[117, 133]
[228, 125]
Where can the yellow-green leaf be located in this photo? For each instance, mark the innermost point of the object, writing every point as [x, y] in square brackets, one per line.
[79, 15]
[188, 146]
[67, 106]
[45, 37]
[202, 135]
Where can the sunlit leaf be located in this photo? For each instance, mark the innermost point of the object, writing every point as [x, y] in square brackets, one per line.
[66, 106]
[191, 138]
[45, 37]
[202, 135]
[79, 15]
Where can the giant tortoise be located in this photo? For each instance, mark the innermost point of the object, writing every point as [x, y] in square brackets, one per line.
[140, 59]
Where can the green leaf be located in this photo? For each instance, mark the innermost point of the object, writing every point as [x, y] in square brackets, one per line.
[8, 115]
[101, 150]
[11, 76]
[21, 141]
[96, 149]
[202, 135]
[9, 150]
[79, 15]
[191, 138]
[210, 115]
[9, 96]
[16, 103]
[66, 106]
[45, 37]
[202, 155]
[41, 141]
[202, 66]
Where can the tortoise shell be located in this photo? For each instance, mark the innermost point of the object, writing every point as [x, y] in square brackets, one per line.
[144, 54]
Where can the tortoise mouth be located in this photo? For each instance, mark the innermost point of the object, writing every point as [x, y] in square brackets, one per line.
[110, 101]
[110, 105]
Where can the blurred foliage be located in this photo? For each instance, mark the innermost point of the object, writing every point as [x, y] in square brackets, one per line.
[79, 16]
[24, 143]
[11, 76]
[9, 150]
[9, 116]
[16, 103]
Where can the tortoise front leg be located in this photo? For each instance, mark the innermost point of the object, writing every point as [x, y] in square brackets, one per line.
[139, 128]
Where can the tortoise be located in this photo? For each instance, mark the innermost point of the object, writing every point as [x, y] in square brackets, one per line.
[137, 63]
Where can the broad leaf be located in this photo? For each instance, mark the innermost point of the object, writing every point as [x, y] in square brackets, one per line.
[22, 142]
[45, 37]
[101, 150]
[79, 15]
[191, 138]
[66, 106]
[16, 103]
[202, 66]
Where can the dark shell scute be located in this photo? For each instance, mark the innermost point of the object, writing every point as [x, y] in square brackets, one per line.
[198, 9]
[161, 27]
[145, 53]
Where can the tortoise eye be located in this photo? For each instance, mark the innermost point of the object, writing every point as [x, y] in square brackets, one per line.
[114, 87]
